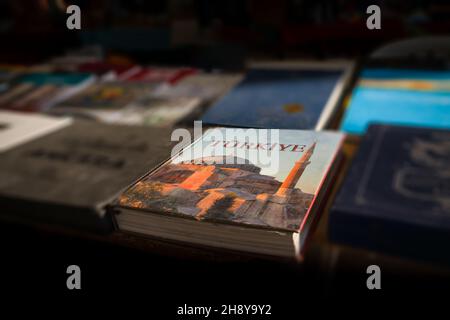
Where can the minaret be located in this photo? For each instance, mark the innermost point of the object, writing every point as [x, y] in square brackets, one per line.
[296, 172]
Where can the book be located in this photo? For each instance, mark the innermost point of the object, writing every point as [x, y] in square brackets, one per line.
[17, 128]
[254, 191]
[157, 74]
[301, 96]
[150, 111]
[69, 177]
[72, 59]
[395, 197]
[7, 74]
[132, 103]
[398, 96]
[159, 112]
[107, 71]
[112, 95]
[39, 91]
[206, 86]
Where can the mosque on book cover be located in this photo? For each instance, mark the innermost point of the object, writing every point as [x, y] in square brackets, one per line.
[215, 189]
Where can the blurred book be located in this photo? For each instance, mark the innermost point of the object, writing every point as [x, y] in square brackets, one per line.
[159, 112]
[17, 128]
[7, 74]
[298, 96]
[396, 196]
[69, 177]
[130, 103]
[40, 91]
[109, 72]
[397, 96]
[158, 74]
[225, 192]
[72, 59]
[106, 96]
[206, 86]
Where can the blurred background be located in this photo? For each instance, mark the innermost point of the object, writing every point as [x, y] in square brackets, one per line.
[209, 35]
[212, 33]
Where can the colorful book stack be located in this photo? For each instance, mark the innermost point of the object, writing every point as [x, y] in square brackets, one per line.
[395, 198]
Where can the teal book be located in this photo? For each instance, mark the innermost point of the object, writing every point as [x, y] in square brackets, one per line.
[57, 79]
[405, 97]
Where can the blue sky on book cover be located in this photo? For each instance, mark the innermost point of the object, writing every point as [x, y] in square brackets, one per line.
[58, 79]
[406, 97]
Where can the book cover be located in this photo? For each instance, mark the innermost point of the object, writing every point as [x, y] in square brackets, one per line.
[159, 112]
[17, 128]
[396, 198]
[395, 96]
[149, 111]
[69, 176]
[133, 103]
[271, 182]
[155, 74]
[281, 98]
[7, 75]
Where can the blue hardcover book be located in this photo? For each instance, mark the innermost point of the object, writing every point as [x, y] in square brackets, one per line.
[405, 97]
[396, 196]
[280, 98]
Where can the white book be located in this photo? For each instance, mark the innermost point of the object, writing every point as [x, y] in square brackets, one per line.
[17, 128]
